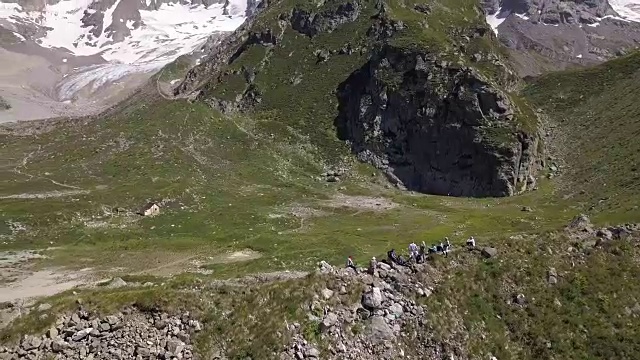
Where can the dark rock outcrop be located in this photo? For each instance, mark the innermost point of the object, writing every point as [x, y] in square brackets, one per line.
[312, 24]
[435, 128]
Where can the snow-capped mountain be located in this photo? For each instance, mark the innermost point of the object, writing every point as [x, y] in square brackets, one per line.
[125, 31]
[93, 44]
[552, 12]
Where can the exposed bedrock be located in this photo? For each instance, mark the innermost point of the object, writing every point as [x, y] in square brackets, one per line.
[436, 128]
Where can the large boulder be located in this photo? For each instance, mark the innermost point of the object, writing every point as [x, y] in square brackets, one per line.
[379, 330]
[330, 320]
[489, 252]
[372, 299]
[581, 223]
[30, 342]
[117, 283]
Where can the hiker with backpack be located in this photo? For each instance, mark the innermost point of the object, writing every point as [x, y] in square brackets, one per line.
[351, 264]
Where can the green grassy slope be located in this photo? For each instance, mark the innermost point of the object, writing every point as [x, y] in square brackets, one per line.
[232, 183]
[590, 313]
[598, 114]
[586, 315]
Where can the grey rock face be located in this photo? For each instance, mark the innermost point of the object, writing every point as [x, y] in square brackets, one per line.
[558, 31]
[220, 51]
[432, 127]
[312, 24]
[554, 11]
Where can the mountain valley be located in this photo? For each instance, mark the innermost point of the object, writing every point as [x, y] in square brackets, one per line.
[248, 149]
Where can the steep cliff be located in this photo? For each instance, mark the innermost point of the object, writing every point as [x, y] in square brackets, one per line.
[435, 128]
[426, 103]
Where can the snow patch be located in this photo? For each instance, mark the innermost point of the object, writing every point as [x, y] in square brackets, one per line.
[628, 9]
[597, 23]
[495, 20]
[7, 10]
[499, 17]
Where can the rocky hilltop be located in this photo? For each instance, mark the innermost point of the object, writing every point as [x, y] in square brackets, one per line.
[438, 120]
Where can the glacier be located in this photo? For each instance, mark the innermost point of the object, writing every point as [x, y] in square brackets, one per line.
[163, 34]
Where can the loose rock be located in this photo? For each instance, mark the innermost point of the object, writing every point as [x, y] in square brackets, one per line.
[552, 276]
[379, 329]
[327, 294]
[373, 299]
[44, 307]
[129, 336]
[117, 283]
[489, 252]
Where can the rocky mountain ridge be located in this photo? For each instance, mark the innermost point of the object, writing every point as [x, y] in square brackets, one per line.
[431, 125]
[564, 33]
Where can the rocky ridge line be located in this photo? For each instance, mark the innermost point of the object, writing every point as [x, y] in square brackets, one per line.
[130, 334]
[431, 126]
[387, 322]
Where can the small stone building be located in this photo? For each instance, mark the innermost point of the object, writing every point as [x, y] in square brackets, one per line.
[150, 209]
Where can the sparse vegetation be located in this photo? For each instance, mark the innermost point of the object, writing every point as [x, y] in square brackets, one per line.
[239, 181]
[597, 116]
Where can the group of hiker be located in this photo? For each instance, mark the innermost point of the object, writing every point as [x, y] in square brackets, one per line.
[417, 254]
